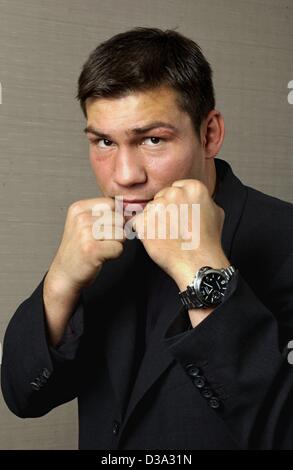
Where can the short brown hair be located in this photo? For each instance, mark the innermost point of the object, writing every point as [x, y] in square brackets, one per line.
[145, 58]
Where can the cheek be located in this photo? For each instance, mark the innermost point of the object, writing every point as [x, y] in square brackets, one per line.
[102, 169]
[175, 166]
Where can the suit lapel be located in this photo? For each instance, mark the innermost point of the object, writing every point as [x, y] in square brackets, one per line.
[231, 196]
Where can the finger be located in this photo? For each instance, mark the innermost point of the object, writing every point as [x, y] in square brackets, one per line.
[107, 232]
[161, 192]
[92, 204]
[182, 183]
[108, 218]
[104, 206]
[111, 249]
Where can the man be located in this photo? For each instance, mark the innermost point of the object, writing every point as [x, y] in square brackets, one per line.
[155, 363]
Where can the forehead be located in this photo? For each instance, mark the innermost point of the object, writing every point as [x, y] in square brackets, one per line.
[148, 104]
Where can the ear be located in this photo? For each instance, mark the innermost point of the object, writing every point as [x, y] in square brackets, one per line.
[212, 133]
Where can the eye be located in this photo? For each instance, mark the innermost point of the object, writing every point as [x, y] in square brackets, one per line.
[102, 143]
[153, 141]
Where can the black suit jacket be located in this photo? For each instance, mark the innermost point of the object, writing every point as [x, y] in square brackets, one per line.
[226, 384]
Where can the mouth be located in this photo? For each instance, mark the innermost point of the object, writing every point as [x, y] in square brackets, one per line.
[130, 206]
[131, 201]
[135, 201]
[135, 204]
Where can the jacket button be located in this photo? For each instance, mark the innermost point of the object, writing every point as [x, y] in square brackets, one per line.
[115, 428]
[199, 381]
[206, 392]
[35, 386]
[39, 381]
[46, 373]
[192, 370]
[214, 402]
[42, 380]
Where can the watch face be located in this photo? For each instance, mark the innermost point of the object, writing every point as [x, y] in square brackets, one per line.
[212, 288]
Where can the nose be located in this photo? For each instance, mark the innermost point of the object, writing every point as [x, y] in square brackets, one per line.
[129, 169]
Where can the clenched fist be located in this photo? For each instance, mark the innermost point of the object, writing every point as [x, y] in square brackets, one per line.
[169, 253]
[79, 258]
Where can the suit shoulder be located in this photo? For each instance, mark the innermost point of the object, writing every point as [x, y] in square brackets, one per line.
[266, 205]
[268, 221]
[264, 238]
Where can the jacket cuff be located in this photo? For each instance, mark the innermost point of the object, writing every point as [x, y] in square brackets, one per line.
[29, 363]
[182, 324]
[68, 346]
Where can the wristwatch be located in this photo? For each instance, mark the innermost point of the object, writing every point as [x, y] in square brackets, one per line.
[208, 287]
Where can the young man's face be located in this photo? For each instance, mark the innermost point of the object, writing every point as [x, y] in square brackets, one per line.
[141, 143]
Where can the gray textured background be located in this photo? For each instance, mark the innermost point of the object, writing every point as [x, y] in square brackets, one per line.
[43, 154]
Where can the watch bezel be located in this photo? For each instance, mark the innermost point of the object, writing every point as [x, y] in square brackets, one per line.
[203, 272]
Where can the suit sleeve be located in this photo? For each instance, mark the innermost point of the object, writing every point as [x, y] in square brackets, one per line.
[238, 363]
[36, 377]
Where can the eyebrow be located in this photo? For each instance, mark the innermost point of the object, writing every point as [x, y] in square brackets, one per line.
[134, 131]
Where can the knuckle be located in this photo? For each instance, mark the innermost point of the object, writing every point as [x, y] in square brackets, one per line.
[198, 187]
[87, 248]
[75, 208]
[82, 218]
[84, 233]
[203, 188]
[172, 192]
[102, 207]
[118, 248]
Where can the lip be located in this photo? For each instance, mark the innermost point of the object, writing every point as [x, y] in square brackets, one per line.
[135, 201]
[140, 203]
[134, 204]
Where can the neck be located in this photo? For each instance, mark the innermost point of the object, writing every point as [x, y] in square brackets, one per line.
[211, 177]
